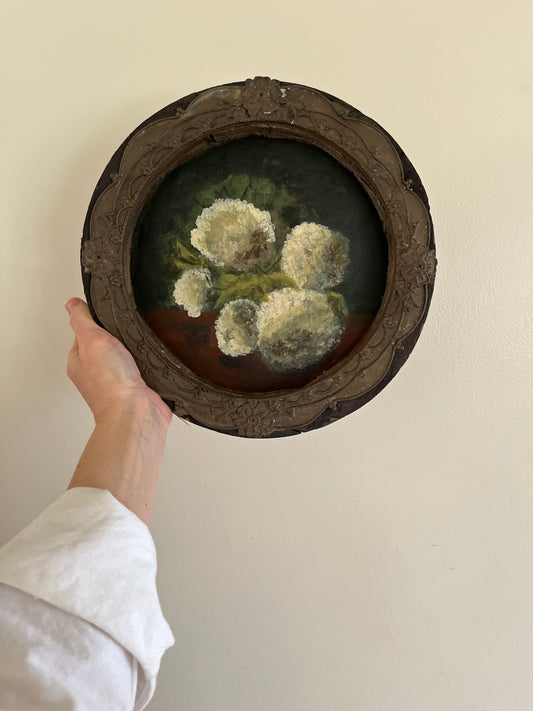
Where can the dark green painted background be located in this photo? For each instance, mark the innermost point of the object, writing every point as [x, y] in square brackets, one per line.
[295, 181]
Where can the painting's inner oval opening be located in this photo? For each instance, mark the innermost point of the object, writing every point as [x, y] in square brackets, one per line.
[259, 264]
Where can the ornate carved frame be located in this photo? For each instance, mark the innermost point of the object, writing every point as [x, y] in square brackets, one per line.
[265, 107]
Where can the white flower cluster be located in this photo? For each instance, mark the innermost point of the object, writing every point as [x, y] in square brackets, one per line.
[192, 289]
[234, 233]
[296, 329]
[315, 256]
[293, 328]
[236, 328]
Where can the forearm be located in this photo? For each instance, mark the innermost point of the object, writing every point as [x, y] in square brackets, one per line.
[125, 452]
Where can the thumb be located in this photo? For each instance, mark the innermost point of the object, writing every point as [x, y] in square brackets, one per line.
[71, 304]
[80, 316]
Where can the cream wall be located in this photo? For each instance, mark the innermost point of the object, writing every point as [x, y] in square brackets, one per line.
[383, 563]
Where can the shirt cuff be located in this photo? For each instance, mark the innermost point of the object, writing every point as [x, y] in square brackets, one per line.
[89, 555]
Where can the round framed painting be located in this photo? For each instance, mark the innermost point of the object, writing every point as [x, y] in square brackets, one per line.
[265, 252]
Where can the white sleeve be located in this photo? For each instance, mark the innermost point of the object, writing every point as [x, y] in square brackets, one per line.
[81, 626]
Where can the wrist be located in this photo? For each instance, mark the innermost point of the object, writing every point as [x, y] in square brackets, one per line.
[125, 451]
[143, 407]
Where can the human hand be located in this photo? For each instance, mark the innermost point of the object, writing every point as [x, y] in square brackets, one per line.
[103, 370]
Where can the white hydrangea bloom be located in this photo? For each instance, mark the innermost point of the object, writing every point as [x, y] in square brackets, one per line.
[236, 328]
[192, 289]
[315, 256]
[234, 233]
[296, 329]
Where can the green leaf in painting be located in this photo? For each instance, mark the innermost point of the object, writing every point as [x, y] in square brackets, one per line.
[338, 302]
[279, 281]
[264, 192]
[232, 294]
[236, 185]
[284, 199]
[185, 258]
[208, 196]
[248, 195]
[225, 280]
[243, 286]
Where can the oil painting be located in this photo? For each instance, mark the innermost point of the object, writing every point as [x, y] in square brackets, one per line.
[260, 263]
